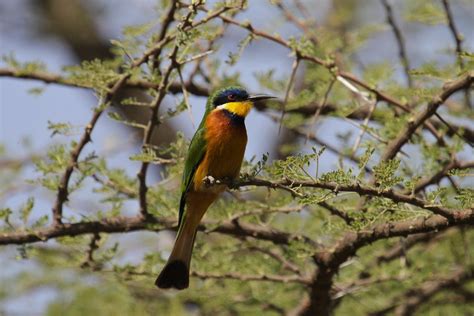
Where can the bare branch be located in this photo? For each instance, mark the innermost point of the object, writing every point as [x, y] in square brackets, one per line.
[289, 86]
[454, 31]
[400, 41]
[320, 108]
[187, 26]
[458, 39]
[365, 126]
[93, 245]
[168, 20]
[303, 133]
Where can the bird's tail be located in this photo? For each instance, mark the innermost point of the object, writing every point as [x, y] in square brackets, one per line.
[175, 274]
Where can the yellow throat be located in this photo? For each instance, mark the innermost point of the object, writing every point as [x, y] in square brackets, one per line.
[241, 108]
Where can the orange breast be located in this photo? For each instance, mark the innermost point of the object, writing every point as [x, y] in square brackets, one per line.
[226, 140]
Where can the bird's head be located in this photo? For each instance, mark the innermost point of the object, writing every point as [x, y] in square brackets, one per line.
[235, 100]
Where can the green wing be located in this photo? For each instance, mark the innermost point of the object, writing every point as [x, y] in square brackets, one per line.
[196, 152]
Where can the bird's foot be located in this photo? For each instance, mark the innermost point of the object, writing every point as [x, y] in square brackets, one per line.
[210, 181]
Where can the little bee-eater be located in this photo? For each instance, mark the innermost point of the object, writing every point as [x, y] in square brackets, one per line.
[216, 150]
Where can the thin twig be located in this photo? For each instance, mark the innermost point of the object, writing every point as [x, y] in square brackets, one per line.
[289, 85]
[361, 189]
[365, 126]
[285, 263]
[458, 38]
[186, 97]
[406, 133]
[413, 299]
[63, 190]
[93, 246]
[46, 77]
[400, 41]
[261, 277]
[320, 108]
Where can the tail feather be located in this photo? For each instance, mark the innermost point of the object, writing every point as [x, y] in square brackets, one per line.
[174, 275]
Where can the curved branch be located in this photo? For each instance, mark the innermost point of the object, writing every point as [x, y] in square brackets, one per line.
[356, 187]
[330, 261]
[63, 190]
[406, 133]
[121, 224]
[410, 301]
[47, 77]
[435, 178]
[400, 41]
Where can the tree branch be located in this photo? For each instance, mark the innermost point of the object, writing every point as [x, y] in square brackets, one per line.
[454, 31]
[400, 41]
[330, 65]
[130, 83]
[244, 277]
[63, 191]
[405, 134]
[400, 249]
[357, 188]
[435, 178]
[413, 299]
[200, 90]
[121, 224]
[285, 263]
[330, 260]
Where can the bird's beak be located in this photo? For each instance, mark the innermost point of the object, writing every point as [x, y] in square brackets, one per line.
[260, 97]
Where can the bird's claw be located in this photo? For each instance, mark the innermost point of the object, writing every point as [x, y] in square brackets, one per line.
[209, 181]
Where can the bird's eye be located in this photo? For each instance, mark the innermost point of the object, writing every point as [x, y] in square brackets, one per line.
[231, 97]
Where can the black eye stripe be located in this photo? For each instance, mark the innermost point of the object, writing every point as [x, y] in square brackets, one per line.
[230, 95]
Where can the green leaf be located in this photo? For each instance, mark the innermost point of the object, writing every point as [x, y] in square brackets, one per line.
[384, 173]
[377, 74]
[427, 12]
[26, 209]
[97, 74]
[434, 70]
[466, 197]
[5, 213]
[60, 128]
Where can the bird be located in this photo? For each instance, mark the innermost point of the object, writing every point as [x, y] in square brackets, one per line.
[216, 151]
